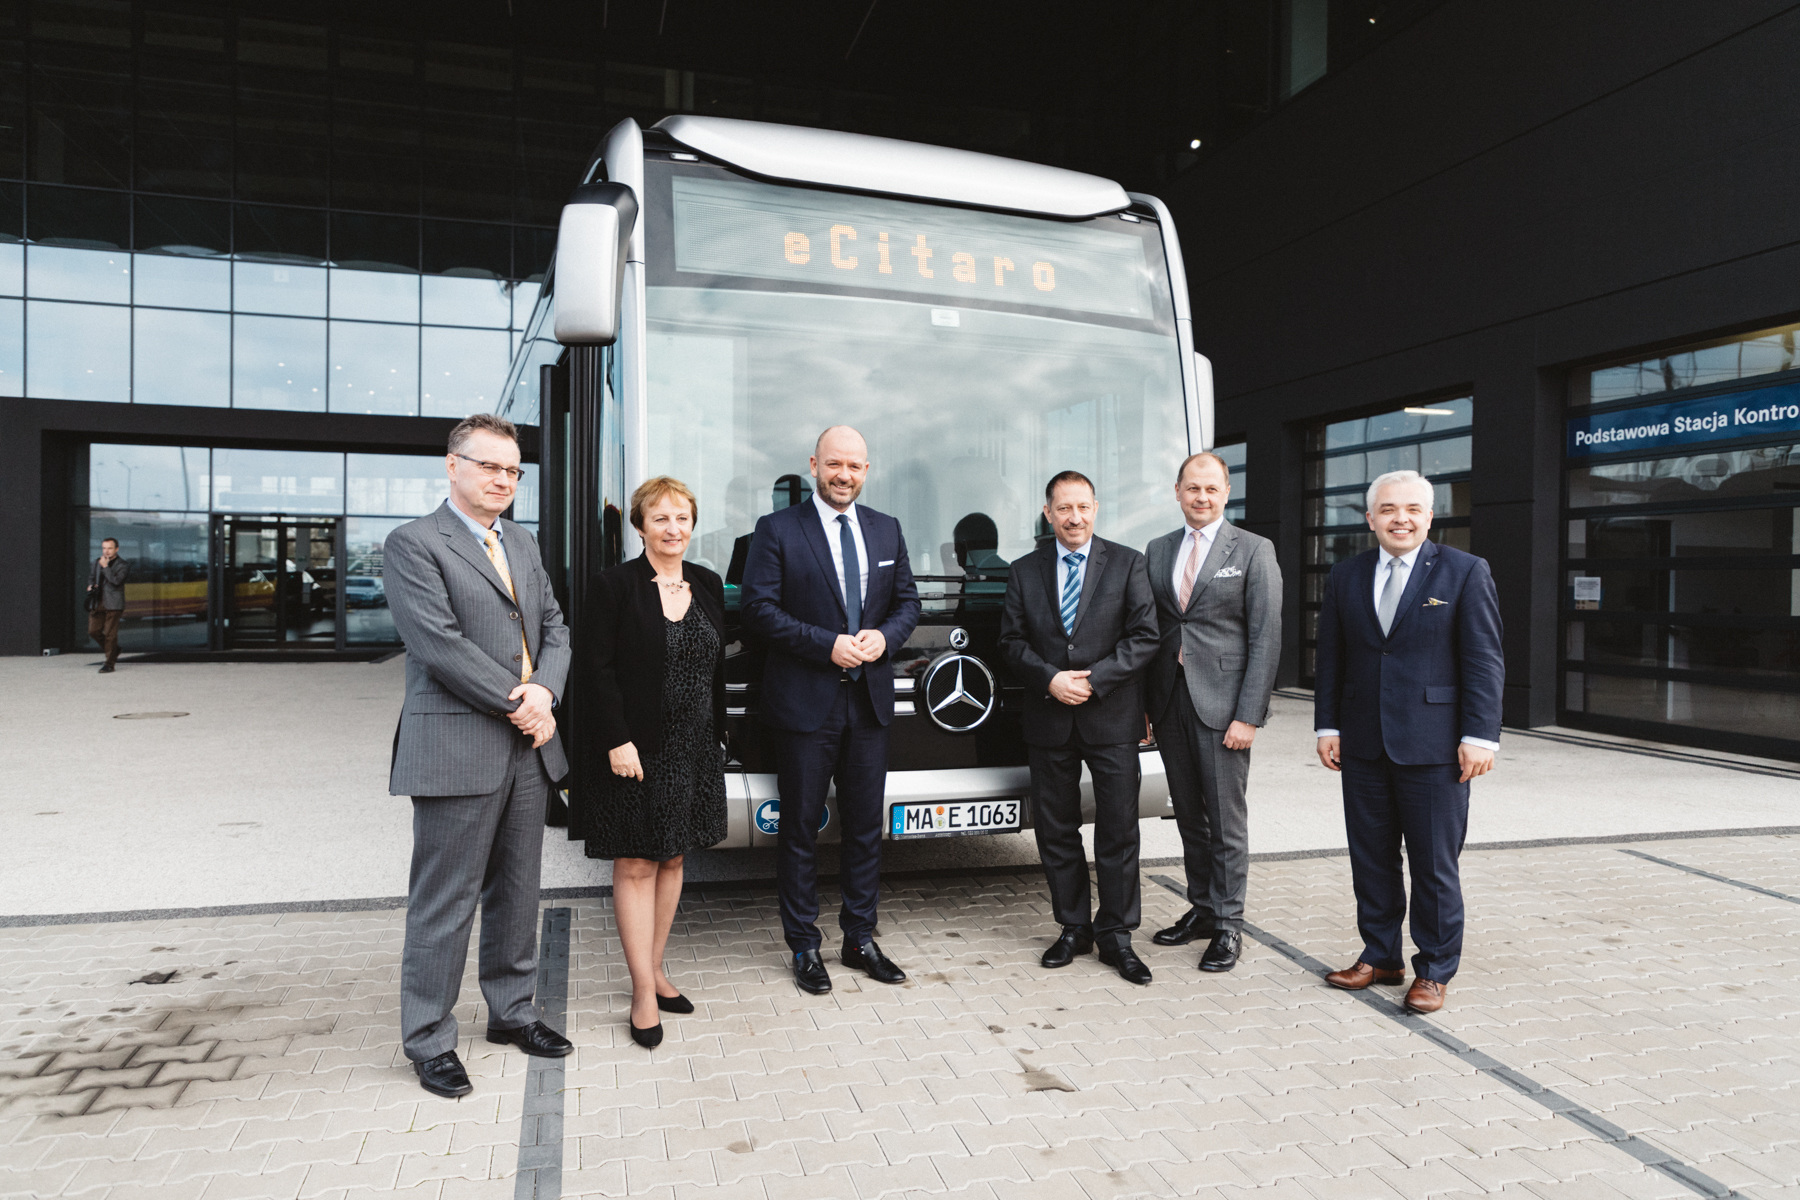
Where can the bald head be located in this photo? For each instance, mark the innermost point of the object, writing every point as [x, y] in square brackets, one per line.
[840, 466]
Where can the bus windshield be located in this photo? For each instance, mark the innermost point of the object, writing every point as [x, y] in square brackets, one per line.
[978, 353]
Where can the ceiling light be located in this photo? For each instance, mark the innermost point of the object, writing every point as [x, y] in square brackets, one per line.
[1431, 412]
[1194, 145]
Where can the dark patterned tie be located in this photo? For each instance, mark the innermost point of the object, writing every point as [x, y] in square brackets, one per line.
[852, 583]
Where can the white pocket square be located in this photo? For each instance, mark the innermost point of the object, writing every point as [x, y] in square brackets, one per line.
[886, 562]
[1228, 572]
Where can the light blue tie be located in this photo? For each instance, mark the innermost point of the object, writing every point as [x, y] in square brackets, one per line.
[1071, 597]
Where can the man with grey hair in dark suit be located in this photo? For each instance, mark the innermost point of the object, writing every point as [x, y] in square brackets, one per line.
[486, 657]
[1218, 602]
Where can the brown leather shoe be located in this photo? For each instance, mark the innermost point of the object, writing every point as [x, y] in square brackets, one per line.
[1424, 996]
[1355, 979]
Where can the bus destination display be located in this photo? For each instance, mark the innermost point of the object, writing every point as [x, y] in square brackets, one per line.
[735, 228]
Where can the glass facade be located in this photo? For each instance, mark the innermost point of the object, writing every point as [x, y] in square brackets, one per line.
[1681, 572]
[236, 549]
[1234, 456]
[1342, 457]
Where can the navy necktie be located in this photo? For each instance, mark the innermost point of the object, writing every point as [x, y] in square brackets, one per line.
[852, 583]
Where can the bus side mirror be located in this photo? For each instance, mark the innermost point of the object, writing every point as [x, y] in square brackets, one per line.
[590, 263]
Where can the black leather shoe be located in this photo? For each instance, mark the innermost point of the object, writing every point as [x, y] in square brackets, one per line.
[649, 1038]
[104, 671]
[536, 1038]
[1074, 940]
[1193, 924]
[675, 1004]
[869, 959]
[810, 972]
[1222, 952]
[444, 1076]
[1125, 961]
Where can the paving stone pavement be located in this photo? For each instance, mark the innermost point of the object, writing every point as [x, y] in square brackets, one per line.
[269, 1065]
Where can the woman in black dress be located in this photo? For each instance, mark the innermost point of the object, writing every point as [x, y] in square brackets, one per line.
[652, 660]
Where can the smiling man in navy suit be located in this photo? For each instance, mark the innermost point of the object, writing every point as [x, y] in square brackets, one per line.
[1407, 706]
[828, 587]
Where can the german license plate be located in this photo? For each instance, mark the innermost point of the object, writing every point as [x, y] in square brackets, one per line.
[954, 816]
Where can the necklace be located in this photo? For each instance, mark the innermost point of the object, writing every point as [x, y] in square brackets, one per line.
[675, 586]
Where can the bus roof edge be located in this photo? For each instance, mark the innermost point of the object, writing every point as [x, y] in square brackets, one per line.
[890, 167]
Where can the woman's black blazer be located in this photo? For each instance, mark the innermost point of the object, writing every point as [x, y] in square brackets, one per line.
[621, 653]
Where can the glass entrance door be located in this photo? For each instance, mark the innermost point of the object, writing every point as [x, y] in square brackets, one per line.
[279, 582]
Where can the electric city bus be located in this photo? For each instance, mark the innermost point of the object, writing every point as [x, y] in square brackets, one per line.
[723, 290]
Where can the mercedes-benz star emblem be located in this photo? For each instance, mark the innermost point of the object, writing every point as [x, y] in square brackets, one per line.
[959, 692]
[959, 639]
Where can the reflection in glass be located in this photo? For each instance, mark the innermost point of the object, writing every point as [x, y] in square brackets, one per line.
[1717, 475]
[1412, 421]
[181, 281]
[278, 362]
[366, 616]
[970, 419]
[374, 368]
[1638, 641]
[1729, 534]
[12, 269]
[262, 287]
[525, 500]
[79, 351]
[171, 478]
[374, 295]
[397, 485]
[166, 588]
[524, 299]
[12, 347]
[1739, 358]
[1707, 706]
[181, 358]
[65, 273]
[455, 300]
[286, 481]
[463, 371]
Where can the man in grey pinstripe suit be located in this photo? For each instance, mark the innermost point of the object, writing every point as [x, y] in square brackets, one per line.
[486, 657]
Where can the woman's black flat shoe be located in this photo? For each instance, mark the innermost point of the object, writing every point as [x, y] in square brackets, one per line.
[675, 1004]
[649, 1038]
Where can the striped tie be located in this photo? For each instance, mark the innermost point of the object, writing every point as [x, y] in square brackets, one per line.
[1071, 596]
[492, 542]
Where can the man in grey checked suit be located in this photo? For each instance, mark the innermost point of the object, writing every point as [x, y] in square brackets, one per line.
[1218, 603]
[486, 657]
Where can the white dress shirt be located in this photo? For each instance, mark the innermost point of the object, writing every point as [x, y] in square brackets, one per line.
[828, 516]
[1204, 536]
[1063, 569]
[1383, 568]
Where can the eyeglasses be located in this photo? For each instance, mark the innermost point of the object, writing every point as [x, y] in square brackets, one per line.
[493, 468]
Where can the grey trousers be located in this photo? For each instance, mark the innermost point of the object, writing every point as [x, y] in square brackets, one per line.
[1206, 785]
[468, 848]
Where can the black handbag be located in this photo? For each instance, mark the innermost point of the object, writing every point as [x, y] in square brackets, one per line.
[92, 602]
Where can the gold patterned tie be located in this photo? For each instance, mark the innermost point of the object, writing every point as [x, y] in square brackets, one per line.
[492, 542]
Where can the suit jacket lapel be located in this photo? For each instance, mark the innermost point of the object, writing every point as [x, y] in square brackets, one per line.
[1090, 579]
[1216, 556]
[814, 535]
[525, 583]
[1365, 590]
[1415, 586]
[472, 552]
[1047, 555]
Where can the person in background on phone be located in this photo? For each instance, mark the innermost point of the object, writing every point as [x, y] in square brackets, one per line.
[106, 600]
[1078, 630]
[651, 668]
[1406, 704]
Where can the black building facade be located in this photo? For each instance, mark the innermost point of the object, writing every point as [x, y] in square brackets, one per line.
[1565, 228]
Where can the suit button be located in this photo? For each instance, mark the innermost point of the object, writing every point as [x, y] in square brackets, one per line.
[1071, 646]
[493, 712]
[1387, 651]
[515, 658]
[512, 616]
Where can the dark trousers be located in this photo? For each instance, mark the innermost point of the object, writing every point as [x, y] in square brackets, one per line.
[1056, 820]
[1206, 787]
[1424, 807]
[850, 748]
[103, 627]
[466, 848]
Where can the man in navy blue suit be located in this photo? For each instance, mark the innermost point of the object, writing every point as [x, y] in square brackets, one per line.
[1407, 705]
[828, 587]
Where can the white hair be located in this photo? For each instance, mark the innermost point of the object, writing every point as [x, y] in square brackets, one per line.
[1411, 478]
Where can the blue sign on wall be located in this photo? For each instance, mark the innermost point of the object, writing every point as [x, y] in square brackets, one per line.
[1687, 422]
